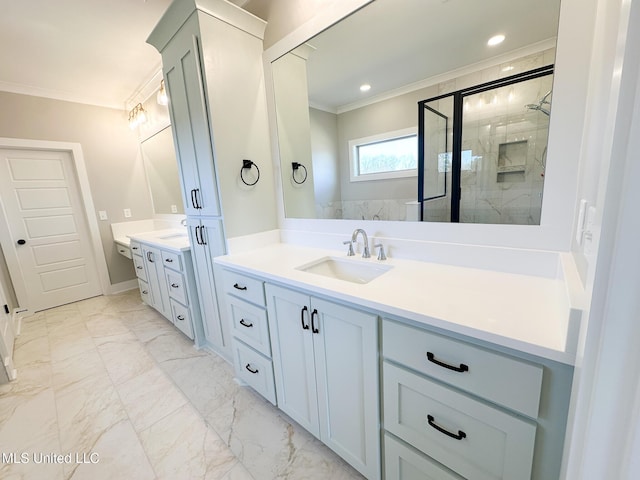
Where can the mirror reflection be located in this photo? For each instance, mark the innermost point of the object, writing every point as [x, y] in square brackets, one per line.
[162, 172]
[357, 151]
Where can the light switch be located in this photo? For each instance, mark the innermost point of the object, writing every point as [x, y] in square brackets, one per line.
[127, 213]
[103, 215]
[174, 209]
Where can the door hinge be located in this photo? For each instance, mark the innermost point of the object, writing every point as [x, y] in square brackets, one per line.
[6, 309]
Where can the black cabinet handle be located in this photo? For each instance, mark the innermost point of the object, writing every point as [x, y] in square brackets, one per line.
[22, 241]
[238, 287]
[121, 251]
[203, 239]
[432, 422]
[150, 257]
[196, 192]
[180, 317]
[175, 285]
[304, 327]
[313, 324]
[144, 292]
[244, 324]
[197, 229]
[248, 367]
[139, 267]
[134, 248]
[168, 260]
[460, 369]
[193, 198]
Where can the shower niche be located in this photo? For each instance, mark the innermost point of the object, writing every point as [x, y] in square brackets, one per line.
[482, 151]
[512, 161]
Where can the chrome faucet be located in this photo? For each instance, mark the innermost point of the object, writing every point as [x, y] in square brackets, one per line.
[365, 239]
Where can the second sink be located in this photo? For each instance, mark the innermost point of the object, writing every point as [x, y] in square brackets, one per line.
[348, 270]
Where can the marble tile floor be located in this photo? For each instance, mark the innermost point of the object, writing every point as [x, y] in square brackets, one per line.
[108, 389]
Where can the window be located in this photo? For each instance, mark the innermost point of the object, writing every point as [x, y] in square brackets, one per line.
[389, 155]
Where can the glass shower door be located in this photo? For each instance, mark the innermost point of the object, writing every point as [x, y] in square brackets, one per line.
[434, 184]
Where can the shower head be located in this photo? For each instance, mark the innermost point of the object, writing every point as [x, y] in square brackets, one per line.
[539, 105]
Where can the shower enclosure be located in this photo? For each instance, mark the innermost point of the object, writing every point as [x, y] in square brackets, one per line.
[482, 151]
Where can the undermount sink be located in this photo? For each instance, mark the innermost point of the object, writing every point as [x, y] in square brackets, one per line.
[353, 271]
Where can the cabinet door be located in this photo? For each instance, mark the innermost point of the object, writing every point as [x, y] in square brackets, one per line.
[207, 242]
[346, 357]
[190, 121]
[293, 361]
[152, 258]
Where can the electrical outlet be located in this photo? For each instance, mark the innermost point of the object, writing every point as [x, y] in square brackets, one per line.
[174, 209]
[103, 215]
[127, 213]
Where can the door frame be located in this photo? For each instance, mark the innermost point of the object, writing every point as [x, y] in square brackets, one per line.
[11, 256]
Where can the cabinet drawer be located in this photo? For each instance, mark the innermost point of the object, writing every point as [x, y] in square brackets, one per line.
[145, 293]
[124, 251]
[504, 380]
[469, 437]
[182, 318]
[176, 286]
[255, 369]
[138, 263]
[405, 463]
[135, 247]
[249, 324]
[172, 260]
[247, 288]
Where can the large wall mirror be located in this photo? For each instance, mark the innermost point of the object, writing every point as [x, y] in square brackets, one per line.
[162, 172]
[347, 113]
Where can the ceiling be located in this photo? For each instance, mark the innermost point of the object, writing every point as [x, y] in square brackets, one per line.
[393, 43]
[86, 51]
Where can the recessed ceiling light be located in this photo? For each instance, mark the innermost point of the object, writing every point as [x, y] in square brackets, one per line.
[495, 40]
[365, 87]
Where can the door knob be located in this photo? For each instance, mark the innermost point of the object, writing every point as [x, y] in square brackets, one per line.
[21, 241]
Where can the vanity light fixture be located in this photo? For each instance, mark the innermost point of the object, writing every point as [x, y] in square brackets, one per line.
[495, 40]
[365, 87]
[162, 97]
[137, 116]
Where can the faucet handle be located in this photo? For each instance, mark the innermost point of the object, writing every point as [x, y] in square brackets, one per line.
[350, 252]
[381, 254]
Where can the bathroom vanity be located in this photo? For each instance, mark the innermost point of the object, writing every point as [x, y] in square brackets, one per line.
[408, 368]
[162, 260]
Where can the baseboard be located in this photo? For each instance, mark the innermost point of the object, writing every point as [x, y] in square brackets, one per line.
[123, 286]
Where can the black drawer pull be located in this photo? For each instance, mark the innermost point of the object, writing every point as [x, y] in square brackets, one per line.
[144, 292]
[139, 267]
[304, 327]
[134, 248]
[168, 260]
[121, 251]
[461, 368]
[175, 285]
[238, 287]
[248, 325]
[180, 317]
[459, 436]
[248, 367]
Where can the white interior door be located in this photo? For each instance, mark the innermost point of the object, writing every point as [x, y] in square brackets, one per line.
[45, 216]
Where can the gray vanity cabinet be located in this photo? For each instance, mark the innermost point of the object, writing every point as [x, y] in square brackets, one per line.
[159, 294]
[212, 65]
[325, 361]
[181, 67]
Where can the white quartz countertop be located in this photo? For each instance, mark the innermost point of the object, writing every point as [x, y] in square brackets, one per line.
[174, 239]
[522, 312]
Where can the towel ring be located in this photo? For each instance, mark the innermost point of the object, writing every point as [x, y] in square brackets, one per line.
[247, 164]
[295, 166]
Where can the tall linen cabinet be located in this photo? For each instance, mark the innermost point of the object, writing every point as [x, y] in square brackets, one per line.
[212, 65]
